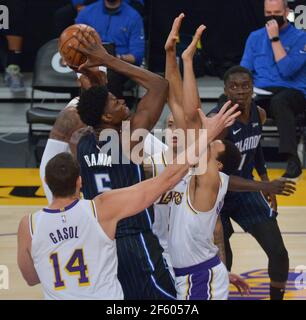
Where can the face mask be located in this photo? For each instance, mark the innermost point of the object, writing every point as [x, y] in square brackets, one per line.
[279, 19]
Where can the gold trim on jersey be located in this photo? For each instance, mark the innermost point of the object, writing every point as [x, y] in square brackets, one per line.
[211, 289]
[187, 287]
[93, 207]
[155, 171]
[164, 159]
[32, 223]
[188, 202]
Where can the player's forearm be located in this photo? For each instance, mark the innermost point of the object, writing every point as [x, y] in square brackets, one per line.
[191, 100]
[239, 184]
[128, 58]
[278, 51]
[143, 77]
[173, 75]
[219, 241]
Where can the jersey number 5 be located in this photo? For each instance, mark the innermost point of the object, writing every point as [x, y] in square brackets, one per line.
[75, 266]
[103, 182]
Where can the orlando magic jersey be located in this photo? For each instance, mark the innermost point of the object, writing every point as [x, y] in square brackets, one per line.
[246, 137]
[72, 255]
[106, 171]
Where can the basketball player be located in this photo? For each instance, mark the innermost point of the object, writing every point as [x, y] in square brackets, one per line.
[70, 246]
[251, 210]
[141, 270]
[191, 99]
[159, 160]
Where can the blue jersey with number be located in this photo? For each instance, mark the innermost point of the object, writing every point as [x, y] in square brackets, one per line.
[104, 170]
[246, 137]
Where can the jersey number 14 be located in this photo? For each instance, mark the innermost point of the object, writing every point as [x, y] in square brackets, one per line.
[75, 266]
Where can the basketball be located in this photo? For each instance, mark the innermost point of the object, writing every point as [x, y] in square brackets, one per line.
[67, 43]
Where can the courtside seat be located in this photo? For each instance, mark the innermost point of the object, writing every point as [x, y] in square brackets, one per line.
[41, 115]
[49, 75]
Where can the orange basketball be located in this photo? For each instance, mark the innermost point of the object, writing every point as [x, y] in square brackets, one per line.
[72, 57]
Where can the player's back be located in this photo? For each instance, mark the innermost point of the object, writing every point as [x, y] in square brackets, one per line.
[72, 255]
[103, 171]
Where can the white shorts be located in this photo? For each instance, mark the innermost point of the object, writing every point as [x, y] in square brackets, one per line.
[206, 281]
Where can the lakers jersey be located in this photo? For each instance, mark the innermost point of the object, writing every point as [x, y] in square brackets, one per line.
[72, 255]
[191, 232]
[162, 206]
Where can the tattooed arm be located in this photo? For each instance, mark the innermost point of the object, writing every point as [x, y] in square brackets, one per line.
[219, 240]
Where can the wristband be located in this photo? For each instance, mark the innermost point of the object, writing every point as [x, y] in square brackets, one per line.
[274, 39]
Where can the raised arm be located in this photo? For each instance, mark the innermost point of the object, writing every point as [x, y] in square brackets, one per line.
[118, 204]
[151, 105]
[191, 98]
[175, 97]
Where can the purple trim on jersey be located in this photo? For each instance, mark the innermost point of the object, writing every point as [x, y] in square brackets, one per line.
[70, 206]
[198, 267]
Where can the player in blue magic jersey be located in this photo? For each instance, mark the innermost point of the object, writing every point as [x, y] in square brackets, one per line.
[141, 269]
[250, 209]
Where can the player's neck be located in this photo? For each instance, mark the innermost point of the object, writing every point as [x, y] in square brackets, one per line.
[59, 203]
[97, 130]
[245, 115]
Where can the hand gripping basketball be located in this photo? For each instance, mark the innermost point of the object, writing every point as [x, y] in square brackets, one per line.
[94, 51]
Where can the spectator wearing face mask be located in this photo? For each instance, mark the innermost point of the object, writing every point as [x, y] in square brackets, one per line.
[276, 55]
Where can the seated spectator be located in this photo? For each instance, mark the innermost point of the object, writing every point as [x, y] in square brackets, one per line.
[118, 23]
[65, 16]
[14, 35]
[276, 55]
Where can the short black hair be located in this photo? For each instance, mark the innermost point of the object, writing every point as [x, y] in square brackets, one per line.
[62, 172]
[237, 69]
[230, 157]
[91, 105]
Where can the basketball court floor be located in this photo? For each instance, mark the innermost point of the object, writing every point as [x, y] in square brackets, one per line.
[21, 193]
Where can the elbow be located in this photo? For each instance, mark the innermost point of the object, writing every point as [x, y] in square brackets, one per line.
[32, 283]
[161, 86]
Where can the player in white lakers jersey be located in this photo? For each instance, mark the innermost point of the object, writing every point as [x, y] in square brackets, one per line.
[193, 221]
[158, 163]
[200, 273]
[69, 247]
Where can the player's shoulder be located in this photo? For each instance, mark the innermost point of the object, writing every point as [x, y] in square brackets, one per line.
[262, 114]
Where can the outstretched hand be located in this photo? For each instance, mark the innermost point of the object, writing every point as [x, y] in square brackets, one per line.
[94, 51]
[191, 49]
[223, 119]
[239, 283]
[281, 186]
[174, 33]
